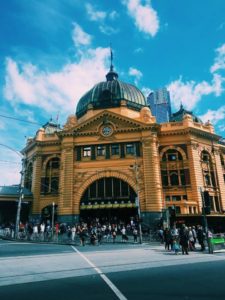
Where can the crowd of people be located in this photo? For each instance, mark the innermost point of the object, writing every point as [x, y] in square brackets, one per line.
[184, 238]
[94, 233]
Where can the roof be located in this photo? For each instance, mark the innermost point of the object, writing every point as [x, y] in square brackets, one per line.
[109, 94]
[178, 116]
[13, 190]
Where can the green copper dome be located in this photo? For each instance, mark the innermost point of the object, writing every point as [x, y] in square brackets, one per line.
[109, 94]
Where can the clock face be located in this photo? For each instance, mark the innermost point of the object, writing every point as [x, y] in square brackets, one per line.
[106, 130]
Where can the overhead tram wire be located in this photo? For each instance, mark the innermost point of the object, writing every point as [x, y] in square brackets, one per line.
[21, 120]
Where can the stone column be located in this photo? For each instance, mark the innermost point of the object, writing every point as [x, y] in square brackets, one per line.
[66, 184]
[36, 186]
[195, 173]
[152, 180]
[220, 179]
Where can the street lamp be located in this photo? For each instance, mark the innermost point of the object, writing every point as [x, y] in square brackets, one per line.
[21, 191]
[53, 213]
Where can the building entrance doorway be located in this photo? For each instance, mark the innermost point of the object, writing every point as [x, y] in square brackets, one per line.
[108, 200]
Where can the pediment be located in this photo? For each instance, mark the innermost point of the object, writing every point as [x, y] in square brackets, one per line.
[116, 121]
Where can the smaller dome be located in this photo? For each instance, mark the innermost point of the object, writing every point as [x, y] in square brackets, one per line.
[179, 115]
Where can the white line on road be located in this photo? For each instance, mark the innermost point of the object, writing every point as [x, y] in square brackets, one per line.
[103, 276]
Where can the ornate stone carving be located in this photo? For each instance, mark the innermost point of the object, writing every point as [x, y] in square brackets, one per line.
[71, 122]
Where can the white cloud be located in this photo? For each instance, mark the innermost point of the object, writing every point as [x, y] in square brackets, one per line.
[80, 37]
[214, 116]
[190, 92]
[146, 91]
[94, 14]
[145, 17]
[10, 165]
[54, 91]
[138, 50]
[108, 30]
[113, 15]
[135, 73]
[219, 62]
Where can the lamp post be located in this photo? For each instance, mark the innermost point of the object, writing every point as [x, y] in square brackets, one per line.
[21, 191]
[53, 215]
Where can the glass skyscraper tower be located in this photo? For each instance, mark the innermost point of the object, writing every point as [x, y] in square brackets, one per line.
[159, 102]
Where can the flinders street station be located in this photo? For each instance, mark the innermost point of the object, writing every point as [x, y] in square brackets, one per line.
[111, 160]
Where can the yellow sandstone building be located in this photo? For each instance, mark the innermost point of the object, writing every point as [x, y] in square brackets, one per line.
[111, 156]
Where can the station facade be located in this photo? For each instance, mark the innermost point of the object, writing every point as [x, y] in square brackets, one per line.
[112, 156]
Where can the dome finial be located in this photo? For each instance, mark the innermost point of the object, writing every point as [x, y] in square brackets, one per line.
[111, 74]
[111, 58]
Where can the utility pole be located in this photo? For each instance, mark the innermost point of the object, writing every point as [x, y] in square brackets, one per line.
[53, 215]
[205, 222]
[21, 196]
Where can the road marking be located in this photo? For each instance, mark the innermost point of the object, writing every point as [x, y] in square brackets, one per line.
[103, 276]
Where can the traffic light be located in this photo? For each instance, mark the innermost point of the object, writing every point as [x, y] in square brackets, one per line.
[207, 202]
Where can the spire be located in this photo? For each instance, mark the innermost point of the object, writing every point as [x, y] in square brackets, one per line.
[111, 75]
[111, 59]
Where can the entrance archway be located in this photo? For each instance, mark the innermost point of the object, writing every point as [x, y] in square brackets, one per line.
[108, 199]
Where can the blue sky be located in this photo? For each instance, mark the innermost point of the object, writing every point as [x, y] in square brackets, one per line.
[53, 51]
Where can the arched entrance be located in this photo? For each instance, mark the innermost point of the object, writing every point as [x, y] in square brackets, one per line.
[108, 199]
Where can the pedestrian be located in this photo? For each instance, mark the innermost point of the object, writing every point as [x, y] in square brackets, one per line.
[135, 234]
[201, 237]
[167, 239]
[191, 239]
[124, 236]
[73, 233]
[184, 239]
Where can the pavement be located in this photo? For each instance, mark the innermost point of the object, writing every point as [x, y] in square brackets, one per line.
[28, 262]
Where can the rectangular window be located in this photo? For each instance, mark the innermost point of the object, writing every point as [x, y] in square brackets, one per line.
[177, 209]
[54, 185]
[167, 198]
[124, 187]
[182, 177]
[87, 152]
[116, 187]
[185, 197]
[130, 149]
[101, 188]
[93, 188]
[164, 178]
[108, 187]
[101, 150]
[217, 204]
[176, 198]
[115, 149]
[174, 180]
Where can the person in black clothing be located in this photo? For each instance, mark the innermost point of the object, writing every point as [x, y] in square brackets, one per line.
[184, 238]
[167, 239]
[201, 237]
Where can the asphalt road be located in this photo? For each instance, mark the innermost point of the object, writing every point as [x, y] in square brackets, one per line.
[137, 272]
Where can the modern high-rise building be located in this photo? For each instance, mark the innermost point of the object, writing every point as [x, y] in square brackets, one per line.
[159, 102]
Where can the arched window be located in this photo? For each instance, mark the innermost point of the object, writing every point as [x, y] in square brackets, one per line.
[172, 155]
[205, 156]
[208, 169]
[28, 176]
[174, 176]
[50, 183]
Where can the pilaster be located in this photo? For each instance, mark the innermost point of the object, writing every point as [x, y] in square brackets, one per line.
[66, 181]
[195, 173]
[220, 179]
[36, 184]
[152, 177]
